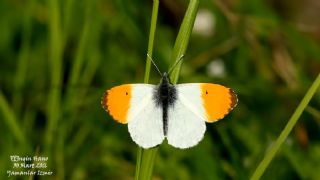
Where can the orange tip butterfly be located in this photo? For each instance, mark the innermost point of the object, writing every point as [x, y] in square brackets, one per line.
[176, 112]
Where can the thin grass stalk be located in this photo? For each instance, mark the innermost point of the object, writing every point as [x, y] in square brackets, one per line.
[55, 69]
[67, 11]
[10, 119]
[23, 57]
[153, 28]
[78, 62]
[54, 97]
[182, 40]
[88, 75]
[146, 157]
[286, 131]
[78, 65]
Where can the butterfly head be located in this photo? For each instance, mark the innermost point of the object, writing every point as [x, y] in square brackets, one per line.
[165, 79]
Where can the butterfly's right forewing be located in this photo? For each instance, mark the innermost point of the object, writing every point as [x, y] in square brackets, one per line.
[186, 118]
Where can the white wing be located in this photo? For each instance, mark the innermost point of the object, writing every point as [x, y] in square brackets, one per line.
[144, 117]
[186, 118]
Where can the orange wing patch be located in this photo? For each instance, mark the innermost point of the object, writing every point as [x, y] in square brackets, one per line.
[116, 101]
[218, 101]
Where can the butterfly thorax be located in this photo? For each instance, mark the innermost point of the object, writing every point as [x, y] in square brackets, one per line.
[165, 96]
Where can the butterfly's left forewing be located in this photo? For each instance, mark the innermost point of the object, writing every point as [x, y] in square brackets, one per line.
[134, 104]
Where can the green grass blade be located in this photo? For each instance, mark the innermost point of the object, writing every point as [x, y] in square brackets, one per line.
[55, 63]
[284, 134]
[23, 58]
[182, 40]
[54, 96]
[145, 163]
[78, 62]
[153, 27]
[11, 120]
[67, 11]
[146, 157]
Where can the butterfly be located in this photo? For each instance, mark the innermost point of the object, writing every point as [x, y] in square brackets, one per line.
[176, 112]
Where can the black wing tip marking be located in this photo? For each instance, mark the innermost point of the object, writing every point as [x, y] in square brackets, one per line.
[234, 102]
[234, 99]
[104, 100]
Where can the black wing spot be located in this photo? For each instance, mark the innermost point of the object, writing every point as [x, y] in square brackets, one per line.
[126, 93]
[207, 92]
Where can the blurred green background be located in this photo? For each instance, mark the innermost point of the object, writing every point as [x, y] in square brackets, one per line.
[58, 57]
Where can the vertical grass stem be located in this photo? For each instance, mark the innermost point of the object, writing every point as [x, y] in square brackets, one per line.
[286, 131]
[146, 157]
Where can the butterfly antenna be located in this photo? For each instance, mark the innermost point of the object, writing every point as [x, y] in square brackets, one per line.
[154, 64]
[175, 64]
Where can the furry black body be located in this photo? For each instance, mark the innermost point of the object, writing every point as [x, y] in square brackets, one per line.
[165, 95]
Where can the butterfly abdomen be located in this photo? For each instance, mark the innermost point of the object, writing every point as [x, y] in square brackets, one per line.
[165, 95]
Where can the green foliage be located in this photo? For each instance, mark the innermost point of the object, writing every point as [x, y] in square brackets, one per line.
[58, 57]
[146, 157]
